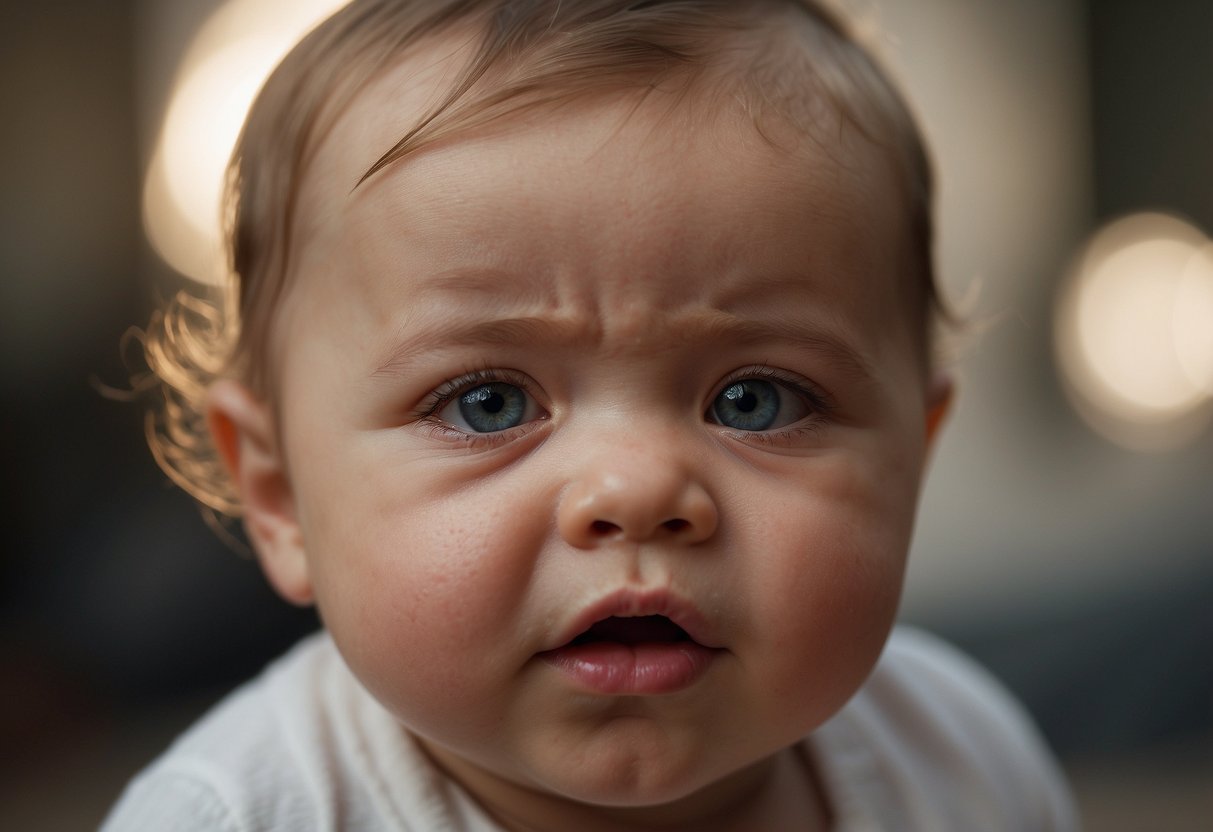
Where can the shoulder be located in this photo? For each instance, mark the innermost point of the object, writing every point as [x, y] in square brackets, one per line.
[921, 677]
[935, 737]
[254, 761]
[171, 799]
[302, 747]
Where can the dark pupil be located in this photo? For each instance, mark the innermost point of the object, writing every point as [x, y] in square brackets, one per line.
[742, 399]
[493, 403]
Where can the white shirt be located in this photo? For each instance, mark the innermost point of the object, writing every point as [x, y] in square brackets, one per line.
[930, 743]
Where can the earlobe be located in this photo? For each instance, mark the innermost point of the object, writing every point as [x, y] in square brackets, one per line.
[940, 394]
[242, 430]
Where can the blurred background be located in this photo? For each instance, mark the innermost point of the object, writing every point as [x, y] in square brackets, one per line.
[1066, 538]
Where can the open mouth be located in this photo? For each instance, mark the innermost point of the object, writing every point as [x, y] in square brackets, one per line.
[633, 630]
[635, 643]
[632, 655]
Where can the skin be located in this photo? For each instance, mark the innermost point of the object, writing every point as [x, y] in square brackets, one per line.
[621, 265]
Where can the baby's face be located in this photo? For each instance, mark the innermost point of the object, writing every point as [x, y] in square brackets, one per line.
[604, 436]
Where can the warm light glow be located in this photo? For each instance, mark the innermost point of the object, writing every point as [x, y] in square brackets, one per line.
[1194, 320]
[1135, 332]
[224, 67]
[223, 85]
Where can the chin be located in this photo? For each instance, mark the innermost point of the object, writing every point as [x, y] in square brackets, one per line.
[632, 791]
[628, 778]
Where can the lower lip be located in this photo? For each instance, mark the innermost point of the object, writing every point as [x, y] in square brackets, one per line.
[632, 669]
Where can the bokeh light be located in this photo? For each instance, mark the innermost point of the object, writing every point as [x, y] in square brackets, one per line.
[1134, 332]
[216, 81]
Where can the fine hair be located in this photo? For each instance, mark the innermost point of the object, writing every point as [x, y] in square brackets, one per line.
[795, 60]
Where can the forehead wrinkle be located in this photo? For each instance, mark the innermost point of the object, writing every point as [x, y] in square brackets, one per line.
[494, 288]
[698, 330]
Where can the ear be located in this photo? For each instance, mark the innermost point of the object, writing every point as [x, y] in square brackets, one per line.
[940, 393]
[242, 429]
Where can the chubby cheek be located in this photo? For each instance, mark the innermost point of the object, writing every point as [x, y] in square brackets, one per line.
[424, 590]
[827, 596]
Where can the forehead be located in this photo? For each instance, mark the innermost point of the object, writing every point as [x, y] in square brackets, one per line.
[619, 194]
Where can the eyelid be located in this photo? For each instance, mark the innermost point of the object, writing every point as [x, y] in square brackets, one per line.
[818, 399]
[449, 390]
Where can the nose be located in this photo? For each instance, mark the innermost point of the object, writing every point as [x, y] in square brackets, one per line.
[622, 497]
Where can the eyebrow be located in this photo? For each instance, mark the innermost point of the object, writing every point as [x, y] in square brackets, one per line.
[832, 346]
[714, 327]
[493, 332]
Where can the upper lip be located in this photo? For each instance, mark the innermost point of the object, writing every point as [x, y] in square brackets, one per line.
[630, 603]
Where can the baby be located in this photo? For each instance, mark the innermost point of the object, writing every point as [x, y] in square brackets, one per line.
[579, 370]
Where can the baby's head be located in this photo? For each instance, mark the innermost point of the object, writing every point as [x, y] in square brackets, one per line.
[583, 379]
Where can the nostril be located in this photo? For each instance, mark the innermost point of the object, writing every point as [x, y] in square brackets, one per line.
[602, 528]
[675, 525]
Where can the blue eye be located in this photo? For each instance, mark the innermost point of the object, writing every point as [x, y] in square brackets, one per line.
[755, 405]
[489, 408]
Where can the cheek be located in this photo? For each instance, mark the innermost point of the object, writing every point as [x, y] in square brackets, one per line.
[424, 588]
[831, 585]
[848, 518]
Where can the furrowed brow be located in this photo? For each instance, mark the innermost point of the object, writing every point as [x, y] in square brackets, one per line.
[833, 348]
[406, 354]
